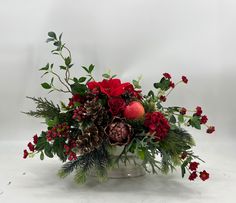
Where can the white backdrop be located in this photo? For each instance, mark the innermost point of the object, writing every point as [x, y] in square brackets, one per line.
[132, 37]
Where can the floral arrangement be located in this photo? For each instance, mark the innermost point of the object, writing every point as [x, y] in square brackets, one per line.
[103, 115]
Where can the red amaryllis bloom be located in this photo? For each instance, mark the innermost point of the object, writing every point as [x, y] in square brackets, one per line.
[111, 87]
[193, 166]
[198, 111]
[204, 175]
[193, 176]
[25, 154]
[31, 147]
[183, 111]
[204, 119]
[210, 129]
[118, 132]
[167, 75]
[158, 124]
[185, 79]
[116, 105]
[35, 139]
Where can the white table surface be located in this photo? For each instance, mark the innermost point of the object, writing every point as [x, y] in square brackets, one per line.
[33, 181]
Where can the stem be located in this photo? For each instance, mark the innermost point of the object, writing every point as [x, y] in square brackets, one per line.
[61, 81]
[173, 88]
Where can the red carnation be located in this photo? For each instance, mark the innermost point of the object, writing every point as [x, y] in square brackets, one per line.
[25, 154]
[167, 75]
[35, 139]
[193, 166]
[158, 124]
[198, 111]
[116, 105]
[204, 119]
[31, 147]
[185, 79]
[172, 85]
[162, 98]
[193, 176]
[210, 129]
[204, 175]
[183, 111]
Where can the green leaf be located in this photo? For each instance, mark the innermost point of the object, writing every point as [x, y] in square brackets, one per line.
[82, 79]
[46, 85]
[57, 44]
[105, 75]
[141, 154]
[42, 155]
[151, 94]
[48, 150]
[60, 36]
[67, 61]
[45, 68]
[195, 122]
[49, 40]
[173, 119]
[91, 67]
[78, 88]
[136, 84]
[86, 69]
[181, 118]
[62, 67]
[52, 35]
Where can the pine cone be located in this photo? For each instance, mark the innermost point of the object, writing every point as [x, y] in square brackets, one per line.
[118, 132]
[90, 140]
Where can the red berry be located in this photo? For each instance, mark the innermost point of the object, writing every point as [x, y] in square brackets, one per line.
[204, 119]
[31, 147]
[172, 85]
[35, 139]
[198, 111]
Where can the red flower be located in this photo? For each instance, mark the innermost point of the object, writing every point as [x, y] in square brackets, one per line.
[111, 87]
[193, 176]
[204, 119]
[162, 98]
[193, 166]
[25, 154]
[31, 147]
[158, 124]
[210, 129]
[198, 111]
[35, 139]
[204, 175]
[185, 79]
[116, 105]
[167, 75]
[183, 111]
[172, 85]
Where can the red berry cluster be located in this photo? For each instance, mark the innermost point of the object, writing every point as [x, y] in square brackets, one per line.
[60, 130]
[31, 146]
[158, 124]
[194, 174]
[79, 113]
[69, 150]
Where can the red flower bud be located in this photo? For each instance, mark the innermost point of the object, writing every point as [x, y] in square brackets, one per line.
[162, 98]
[193, 166]
[167, 75]
[25, 154]
[185, 79]
[210, 129]
[204, 175]
[172, 85]
[31, 147]
[204, 119]
[35, 139]
[183, 111]
[192, 176]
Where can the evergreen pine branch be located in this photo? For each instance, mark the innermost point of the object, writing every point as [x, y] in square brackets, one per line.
[44, 108]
